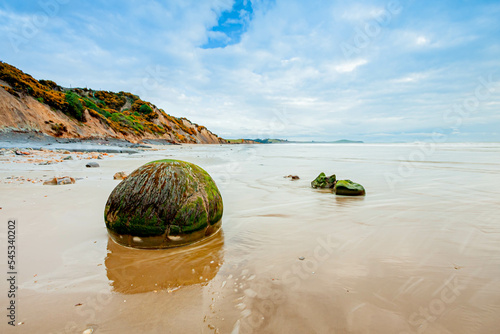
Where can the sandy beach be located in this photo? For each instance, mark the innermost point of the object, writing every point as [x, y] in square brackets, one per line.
[420, 253]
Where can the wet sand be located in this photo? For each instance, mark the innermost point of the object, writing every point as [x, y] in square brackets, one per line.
[420, 253]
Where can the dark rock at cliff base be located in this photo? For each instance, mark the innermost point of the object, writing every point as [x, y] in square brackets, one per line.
[348, 188]
[163, 204]
[323, 181]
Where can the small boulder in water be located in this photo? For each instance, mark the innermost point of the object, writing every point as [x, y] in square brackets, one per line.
[348, 188]
[323, 181]
[92, 164]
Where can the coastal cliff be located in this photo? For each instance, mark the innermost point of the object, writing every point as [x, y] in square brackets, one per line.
[29, 105]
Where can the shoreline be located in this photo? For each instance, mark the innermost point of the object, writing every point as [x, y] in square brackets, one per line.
[39, 141]
[287, 258]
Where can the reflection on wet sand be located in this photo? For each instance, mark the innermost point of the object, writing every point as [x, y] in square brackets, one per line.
[348, 200]
[136, 271]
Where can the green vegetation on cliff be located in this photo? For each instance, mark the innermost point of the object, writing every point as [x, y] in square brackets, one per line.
[123, 112]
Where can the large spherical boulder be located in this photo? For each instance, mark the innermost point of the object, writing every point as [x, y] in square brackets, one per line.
[164, 203]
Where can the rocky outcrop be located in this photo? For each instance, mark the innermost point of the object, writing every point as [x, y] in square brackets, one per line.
[339, 187]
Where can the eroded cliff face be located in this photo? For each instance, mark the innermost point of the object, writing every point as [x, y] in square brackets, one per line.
[42, 106]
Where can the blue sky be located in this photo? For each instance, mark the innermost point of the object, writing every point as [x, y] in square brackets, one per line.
[378, 71]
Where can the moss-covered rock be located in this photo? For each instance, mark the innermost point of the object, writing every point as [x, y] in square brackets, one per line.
[164, 203]
[348, 188]
[323, 181]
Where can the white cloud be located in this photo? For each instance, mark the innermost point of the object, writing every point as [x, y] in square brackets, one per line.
[358, 12]
[421, 40]
[219, 36]
[350, 66]
[412, 77]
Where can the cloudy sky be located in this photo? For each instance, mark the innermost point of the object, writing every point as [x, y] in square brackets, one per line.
[378, 71]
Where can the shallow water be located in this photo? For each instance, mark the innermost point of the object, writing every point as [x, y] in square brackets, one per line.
[420, 253]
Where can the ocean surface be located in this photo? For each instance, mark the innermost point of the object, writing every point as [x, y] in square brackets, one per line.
[420, 253]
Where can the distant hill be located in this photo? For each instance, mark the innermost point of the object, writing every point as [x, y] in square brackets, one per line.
[27, 104]
[284, 141]
[270, 141]
[345, 141]
[256, 141]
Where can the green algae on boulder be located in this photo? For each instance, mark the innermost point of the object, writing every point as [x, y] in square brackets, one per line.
[322, 181]
[348, 188]
[164, 203]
